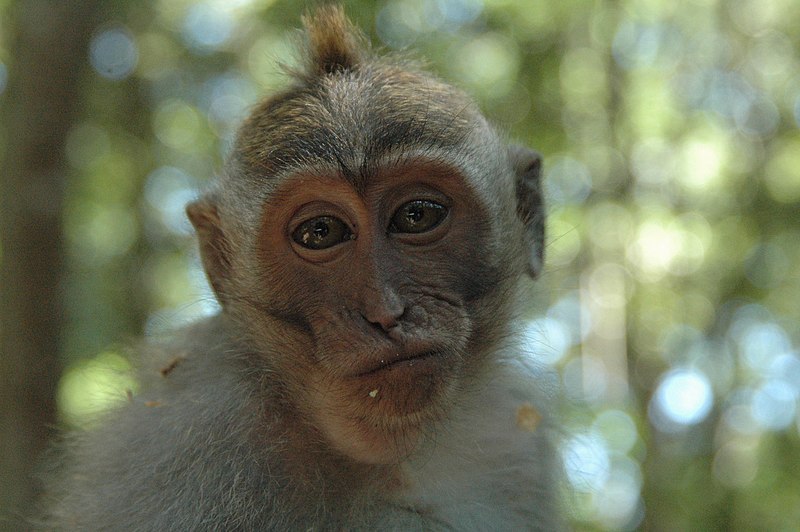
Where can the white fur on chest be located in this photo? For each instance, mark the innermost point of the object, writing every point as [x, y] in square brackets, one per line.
[490, 468]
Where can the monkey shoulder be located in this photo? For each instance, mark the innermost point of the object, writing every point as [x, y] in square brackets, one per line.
[180, 453]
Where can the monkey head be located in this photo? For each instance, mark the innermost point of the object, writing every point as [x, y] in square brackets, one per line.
[367, 237]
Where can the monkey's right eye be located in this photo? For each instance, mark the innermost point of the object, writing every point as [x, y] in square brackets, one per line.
[322, 232]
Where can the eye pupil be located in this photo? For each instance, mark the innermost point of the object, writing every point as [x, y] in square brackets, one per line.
[418, 216]
[321, 229]
[415, 213]
[321, 232]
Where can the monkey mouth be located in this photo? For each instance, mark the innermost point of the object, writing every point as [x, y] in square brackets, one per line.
[424, 361]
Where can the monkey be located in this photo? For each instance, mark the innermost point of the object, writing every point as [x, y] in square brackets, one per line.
[368, 239]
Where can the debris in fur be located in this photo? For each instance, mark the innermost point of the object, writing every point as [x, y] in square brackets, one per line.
[528, 418]
[166, 370]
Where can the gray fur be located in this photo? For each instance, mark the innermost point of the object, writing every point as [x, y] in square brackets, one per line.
[201, 450]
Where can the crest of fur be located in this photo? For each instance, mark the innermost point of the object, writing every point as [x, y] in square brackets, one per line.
[334, 44]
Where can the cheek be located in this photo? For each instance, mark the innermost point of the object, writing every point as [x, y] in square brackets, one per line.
[466, 267]
[476, 278]
[286, 283]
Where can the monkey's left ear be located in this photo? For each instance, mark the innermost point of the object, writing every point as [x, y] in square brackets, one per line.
[527, 165]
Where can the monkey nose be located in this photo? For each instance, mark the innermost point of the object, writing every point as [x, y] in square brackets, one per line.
[385, 315]
[386, 320]
[382, 307]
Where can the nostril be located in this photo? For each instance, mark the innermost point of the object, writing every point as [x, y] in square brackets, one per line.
[382, 307]
[385, 319]
[385, 322]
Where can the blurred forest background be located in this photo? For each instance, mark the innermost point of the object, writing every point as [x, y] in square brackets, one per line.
[671, 298]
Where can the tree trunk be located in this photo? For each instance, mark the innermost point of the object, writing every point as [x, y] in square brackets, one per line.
[48, 60]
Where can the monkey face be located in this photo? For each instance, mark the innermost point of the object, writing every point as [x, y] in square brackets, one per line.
[382, 280]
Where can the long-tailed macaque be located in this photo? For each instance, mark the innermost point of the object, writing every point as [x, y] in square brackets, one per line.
[368, 241]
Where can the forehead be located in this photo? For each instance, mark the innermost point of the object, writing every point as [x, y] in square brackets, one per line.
[352, 120]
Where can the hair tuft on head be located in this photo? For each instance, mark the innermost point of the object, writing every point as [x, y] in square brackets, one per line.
[334, 43]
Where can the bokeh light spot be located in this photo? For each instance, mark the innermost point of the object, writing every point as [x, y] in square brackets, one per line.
[114, 54]
[567, 310]
[397, 24]
[618, 429]
[583, 76]
[490, 63]
[759, 118]
[567, 181]
[786, 366]
[87, 390]
[775, 404]
[547, 339]
[760, 343]
[587, 462]
[636, 45]
[206, 27]
[735, 464]
[177, 124]
[618, 503]
[683, 397]
[702, 164]
[458, 12]
[168, 190]
[100, 232]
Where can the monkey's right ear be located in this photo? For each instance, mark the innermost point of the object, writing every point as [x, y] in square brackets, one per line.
[527, 165]
[214, 249]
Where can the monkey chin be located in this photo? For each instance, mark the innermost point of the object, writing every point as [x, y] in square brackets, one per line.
[380, 416]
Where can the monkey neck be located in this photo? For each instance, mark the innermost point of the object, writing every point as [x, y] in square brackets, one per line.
[337, 479]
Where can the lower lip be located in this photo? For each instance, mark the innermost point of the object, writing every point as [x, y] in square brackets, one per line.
[422, 364]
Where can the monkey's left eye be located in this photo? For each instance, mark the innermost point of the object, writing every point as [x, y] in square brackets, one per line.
[321, 232]
[417, 216]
